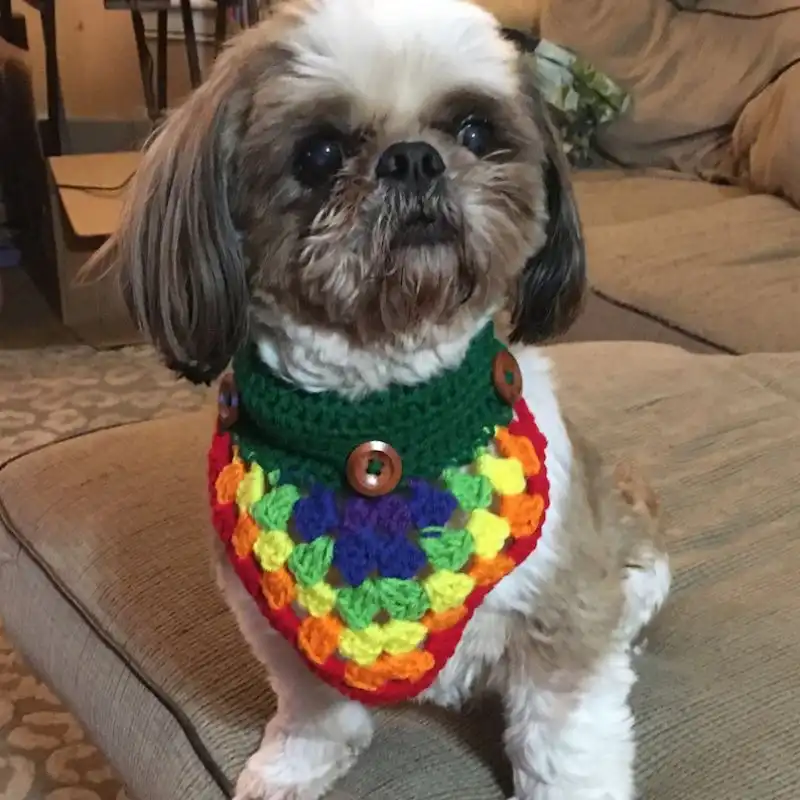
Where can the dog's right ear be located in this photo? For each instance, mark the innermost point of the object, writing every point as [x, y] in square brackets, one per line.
[177, 248]
[552, 286]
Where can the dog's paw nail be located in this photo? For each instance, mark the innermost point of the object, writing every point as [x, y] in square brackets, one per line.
[257, 790]
[254, 784]
[250, 787]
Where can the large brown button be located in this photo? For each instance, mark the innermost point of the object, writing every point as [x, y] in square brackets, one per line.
[374, 469]
[227, 403]
[507, 377]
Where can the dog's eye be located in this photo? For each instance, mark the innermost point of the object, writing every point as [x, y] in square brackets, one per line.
[476, 135]
[317, 160]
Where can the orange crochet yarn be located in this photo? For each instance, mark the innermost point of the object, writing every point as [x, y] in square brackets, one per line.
[488, 571]
[523, 512]
[245, 535]
[318, 637]
[279, 588]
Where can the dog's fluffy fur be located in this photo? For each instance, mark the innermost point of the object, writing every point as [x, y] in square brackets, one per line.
[260, 212]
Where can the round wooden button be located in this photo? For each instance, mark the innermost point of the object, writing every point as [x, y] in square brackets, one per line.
[374, 469]
[507, 377]
[227, 403]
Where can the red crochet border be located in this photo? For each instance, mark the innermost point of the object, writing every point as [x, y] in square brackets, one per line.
[441, 644]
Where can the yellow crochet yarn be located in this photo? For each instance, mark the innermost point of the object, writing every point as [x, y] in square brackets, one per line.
[448, 589]
[505, 474]
[318, 599]
[272, 549]
[251, 489]
[489, 532]
[362, 646]
[402, 636]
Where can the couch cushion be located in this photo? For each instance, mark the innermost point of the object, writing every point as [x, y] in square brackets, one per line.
[710, 260]
[108, 591]
[603, 320]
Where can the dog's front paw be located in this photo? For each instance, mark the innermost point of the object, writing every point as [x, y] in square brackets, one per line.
[297, 765]
[611, 780]
[607, 787]
[556, 792]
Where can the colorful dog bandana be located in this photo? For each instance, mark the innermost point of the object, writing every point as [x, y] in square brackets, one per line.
[369, 531]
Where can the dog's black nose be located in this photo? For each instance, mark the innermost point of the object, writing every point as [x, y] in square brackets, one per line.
[415, 164]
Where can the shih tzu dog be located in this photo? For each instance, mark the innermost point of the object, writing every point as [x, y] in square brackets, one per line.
[402, 512]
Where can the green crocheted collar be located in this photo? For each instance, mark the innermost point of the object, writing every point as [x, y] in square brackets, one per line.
[308, 437]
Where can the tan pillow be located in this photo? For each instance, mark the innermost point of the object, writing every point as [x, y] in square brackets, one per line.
[689, 74]
[765, 139]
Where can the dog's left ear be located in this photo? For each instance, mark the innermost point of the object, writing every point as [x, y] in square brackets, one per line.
[552, 285]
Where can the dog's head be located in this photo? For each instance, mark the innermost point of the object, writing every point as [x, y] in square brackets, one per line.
[375, 168]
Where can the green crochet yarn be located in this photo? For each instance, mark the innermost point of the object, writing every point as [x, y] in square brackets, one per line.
[471, 491]
[449, 550]
[405, 600]
[432, 426]
[358, 605]
[310, 562]
[273, 511]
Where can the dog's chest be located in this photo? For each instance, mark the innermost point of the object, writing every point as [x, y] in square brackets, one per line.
[375, 593]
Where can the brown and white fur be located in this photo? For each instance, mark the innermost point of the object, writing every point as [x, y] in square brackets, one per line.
[268, 209]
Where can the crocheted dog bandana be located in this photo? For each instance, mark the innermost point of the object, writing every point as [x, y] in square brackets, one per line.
[369, 531]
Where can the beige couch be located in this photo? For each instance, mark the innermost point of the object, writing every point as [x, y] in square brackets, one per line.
[713, 262]
[105, 586]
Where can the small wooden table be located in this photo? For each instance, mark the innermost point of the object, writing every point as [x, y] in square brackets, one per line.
[53, 130]
[155, 91]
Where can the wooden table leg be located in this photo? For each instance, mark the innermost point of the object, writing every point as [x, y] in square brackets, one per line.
[161, 61]
[253, 12]
[220, 25]
[190, 38]
[145, 65]
[56, 136]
